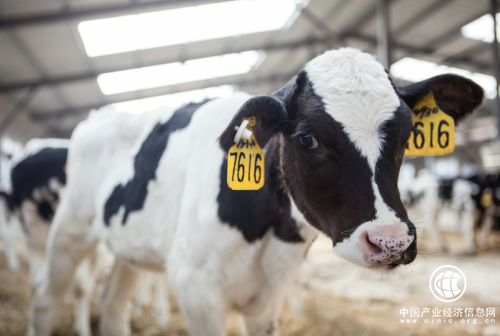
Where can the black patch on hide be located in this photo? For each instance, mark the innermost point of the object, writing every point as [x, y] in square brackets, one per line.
[133, 194]
[35, 172]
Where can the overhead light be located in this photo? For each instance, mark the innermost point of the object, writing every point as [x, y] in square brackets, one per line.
[481, 29]
[174, 100]
[185, 25]
[414, 70]
[177, 73]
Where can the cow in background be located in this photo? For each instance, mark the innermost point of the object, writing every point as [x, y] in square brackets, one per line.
[37, 180]
[334, 140]
[487, 200]
[427, 196]
[475, 200]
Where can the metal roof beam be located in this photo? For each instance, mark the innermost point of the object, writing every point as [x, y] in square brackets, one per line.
[93, 74]
[47, 116]
[417, 19]
[482, 66]
[292, 45]
[113, 10]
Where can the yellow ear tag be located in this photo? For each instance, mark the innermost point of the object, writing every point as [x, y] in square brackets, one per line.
[436, 130]
[486, 198]
[245, 163]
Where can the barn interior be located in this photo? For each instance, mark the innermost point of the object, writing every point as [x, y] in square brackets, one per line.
[62, 59]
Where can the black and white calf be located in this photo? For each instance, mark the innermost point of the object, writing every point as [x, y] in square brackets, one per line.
[475, 200]
[38, 178]
[334, 139]
[427, 196]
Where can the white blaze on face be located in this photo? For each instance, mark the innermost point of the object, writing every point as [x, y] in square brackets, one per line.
[357, 93]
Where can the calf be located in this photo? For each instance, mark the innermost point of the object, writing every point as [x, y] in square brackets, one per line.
[334, 139]
[486, 197]
[427, 196]
[37, 179]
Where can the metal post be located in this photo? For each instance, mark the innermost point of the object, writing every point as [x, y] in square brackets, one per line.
[17, 109]
[496, 65]
[383, 38]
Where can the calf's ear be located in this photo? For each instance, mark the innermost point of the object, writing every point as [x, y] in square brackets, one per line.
[271, 114]
[455, 95]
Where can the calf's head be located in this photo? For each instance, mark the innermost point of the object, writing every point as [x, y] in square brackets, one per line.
[342, 128]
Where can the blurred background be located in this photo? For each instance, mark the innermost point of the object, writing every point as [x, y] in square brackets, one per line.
[60, 59]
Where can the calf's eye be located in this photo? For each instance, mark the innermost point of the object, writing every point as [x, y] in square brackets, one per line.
[308, 141]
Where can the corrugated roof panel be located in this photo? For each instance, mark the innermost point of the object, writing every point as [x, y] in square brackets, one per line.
[401, 12]
[13, 65]
[444, 22]
[54, 47]
[24, 7]
[45, 99]
[353, 13]
[300, 30]
[80, 93]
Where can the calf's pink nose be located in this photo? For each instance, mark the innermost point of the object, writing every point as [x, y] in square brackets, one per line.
[383, 249]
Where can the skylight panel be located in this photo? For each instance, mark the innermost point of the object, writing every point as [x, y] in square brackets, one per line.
[174, 100]
[414, 70]
[185, 25]
[481, 29]
[177, 73]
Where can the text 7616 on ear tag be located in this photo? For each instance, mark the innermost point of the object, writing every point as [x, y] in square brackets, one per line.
[434, 130]
[245, 166]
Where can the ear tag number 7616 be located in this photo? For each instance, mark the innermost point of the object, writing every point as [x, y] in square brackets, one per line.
[245, 166]
[434, 132]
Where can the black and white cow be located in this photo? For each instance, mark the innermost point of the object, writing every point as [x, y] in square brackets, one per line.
[37, 181]
[486, 197]
[334, 139]
[475, 200]
[427, 196]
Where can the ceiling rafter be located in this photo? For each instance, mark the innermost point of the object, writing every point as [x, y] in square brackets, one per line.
[417, 19]
[68, 15]
[273, 79]
[6, 87]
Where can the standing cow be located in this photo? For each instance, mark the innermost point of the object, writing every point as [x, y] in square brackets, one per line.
[38, 178]
[334, 139]
[427, 196]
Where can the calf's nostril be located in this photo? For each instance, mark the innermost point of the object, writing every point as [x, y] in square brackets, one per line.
[373, 246]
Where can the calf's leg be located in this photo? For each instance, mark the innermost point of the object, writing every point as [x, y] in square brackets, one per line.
[201, 302]
[435, 232]
[265, 323]
[86, 277]
[487, 226]
[161, 305]
[467, 218]
[115, 300]
[68, 243]
[7, 237]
